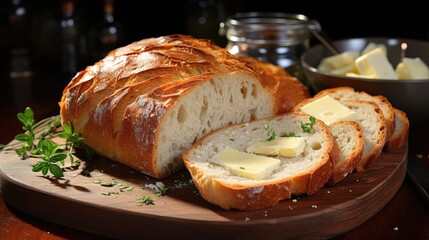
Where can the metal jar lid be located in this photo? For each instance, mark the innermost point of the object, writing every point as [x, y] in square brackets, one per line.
[285, 29]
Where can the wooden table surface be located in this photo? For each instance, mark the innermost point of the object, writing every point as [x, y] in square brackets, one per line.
[406, 216]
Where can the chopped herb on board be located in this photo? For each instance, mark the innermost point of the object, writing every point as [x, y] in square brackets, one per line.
[159, 188]
[144, 200]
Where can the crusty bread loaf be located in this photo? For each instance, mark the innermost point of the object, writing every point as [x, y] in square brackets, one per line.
[304, 174]
[350, 139]
[145, 103]
[348, 93]
[400, 134]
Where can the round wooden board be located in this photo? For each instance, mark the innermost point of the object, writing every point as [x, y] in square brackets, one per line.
[77, 201]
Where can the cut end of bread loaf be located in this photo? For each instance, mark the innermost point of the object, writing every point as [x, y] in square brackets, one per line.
[304, 174]
[216, 102]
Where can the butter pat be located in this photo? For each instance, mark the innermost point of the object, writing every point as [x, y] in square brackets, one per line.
[344, 70]
[246, 164]
[375, 64]
[280, 146]
[412, 68]
[338, 61]
[350, 74]
[371, 46]
[329, 110]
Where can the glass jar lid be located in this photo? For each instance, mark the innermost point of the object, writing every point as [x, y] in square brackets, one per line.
[284, 29]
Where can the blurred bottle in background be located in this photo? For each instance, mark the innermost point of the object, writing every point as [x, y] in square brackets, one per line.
[110, 34]
[70, 42]
[203, 18]
[20, 51]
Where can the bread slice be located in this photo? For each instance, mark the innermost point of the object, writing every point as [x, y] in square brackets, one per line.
[348, 93]
[400, 134]
[350, 139]
[371, 120]
[304, 174]
[145, 103]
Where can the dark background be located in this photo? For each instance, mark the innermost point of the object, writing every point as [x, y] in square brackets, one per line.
[39, 34]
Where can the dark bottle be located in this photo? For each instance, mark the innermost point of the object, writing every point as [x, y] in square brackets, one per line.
[70, 45]
[20, 53]
[110, 35]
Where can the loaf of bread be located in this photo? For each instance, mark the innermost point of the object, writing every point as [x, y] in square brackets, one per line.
[304, 174]
[147, 102]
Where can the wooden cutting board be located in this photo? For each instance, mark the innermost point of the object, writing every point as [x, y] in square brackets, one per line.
[81, 202]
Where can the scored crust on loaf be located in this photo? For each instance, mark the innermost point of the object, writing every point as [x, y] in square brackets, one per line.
[348, 93]
[400, 135]
[304, 174]
[145, 103]
[350, 139]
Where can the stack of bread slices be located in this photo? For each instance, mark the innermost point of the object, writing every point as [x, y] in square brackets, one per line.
[332, 151]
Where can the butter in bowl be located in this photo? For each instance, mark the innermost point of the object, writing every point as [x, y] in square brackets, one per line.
[395, 68]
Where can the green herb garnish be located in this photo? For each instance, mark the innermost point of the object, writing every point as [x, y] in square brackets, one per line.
[50, 159]
[271, 134]
[290, 134]
[161, 191]
[144, 200]
[307, 127]
[108, 193]
[52, 154]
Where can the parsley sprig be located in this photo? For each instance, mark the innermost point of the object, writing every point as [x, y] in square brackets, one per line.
[271, 134]
[52, 154]
[306, 128]
[50, 158]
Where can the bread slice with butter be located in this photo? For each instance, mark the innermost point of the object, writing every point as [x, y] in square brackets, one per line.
[304, 174]
[367, 114]
[349, 93]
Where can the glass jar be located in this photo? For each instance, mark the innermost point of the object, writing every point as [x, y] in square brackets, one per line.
[278, 38]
